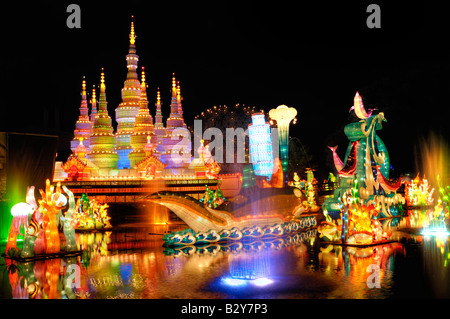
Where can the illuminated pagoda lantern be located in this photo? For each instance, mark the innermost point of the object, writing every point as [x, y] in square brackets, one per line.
[77, 165]
[200, 164]
[159, 129]
[83, 126]
[260, 140]
[103, 141]
[150, 167]
[176, 146]
[143, 128]
[127, 111]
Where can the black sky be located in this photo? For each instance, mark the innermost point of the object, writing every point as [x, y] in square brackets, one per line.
[311, 56]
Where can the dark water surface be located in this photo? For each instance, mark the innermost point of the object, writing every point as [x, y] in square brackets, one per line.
[131, 263]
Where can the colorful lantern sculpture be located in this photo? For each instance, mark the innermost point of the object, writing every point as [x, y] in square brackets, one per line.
[20, 213]
[283, 115]
[366, 159]
[52, 203]
[418, 192]
[69, 231]
[260, 141]
[34, 228]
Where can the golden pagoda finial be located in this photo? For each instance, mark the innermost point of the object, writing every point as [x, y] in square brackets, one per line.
[102, 80]
[174, 86]
[83, 86]
[178, 92]
[132, 34]
[158, 97]
[94, 95]
[143, 78]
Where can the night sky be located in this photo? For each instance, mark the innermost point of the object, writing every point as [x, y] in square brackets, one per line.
[312, 56]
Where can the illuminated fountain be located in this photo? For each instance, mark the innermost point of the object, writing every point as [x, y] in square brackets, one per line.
[433, 161]
[436, 221]
[253, 266]
[159, 215]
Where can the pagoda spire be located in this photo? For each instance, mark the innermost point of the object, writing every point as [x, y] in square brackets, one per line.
[94, 105]
[83, 126]
[102, 83]
[158, 100]
[83, 87]
[173, 109]
[103, 141]
[159, 126]
[143, 101]
[132, 34]
[175, 119]
[127, 111]
[179, 99]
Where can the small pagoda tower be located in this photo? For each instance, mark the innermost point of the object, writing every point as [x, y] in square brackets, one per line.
[150, 167]
[176, 144]
[127, 111]
[103, 141]
[83, 126]
[77, 165]
[143, 128]
[159, 129]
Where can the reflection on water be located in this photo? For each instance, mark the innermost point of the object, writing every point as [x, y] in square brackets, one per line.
[351, 268]
[436, 256]
[132, 263]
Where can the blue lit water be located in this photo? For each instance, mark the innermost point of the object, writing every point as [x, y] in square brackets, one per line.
[131, 263]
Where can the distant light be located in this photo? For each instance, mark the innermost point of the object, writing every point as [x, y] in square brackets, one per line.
[237, 282]
[234, 282]
[436, 232]
[262, 282]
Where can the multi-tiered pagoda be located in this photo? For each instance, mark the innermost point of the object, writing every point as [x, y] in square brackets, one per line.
[138, 142]
[127, 111]
[103, 141]
[83, 126]
[143, 155]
